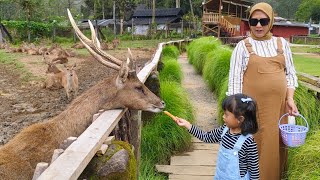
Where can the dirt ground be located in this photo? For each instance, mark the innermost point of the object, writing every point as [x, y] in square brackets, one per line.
[25, 103]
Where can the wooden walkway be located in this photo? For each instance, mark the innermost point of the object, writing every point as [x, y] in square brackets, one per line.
[199, 163]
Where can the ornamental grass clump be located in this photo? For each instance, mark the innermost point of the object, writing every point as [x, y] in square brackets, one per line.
[308, 107]
[171, 70]
[217, 68]
[198, 50]
[161, 137]
[170, 51]
[304, 162]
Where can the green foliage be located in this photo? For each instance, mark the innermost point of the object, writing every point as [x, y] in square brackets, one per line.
[222, 95]
[171, 51]
[309, 65]
[171, 70]
[309, 9]
[304, 161]
[308, 106]
[161, 137]
[10, 59]
[198, 50]
[217, 67]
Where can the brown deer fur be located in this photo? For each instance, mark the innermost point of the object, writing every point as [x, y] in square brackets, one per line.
[36, 143]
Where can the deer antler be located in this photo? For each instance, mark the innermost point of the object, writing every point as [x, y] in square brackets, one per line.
[93, 46]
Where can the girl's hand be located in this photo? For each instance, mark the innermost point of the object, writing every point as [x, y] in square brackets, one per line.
[183, 123]
[292, 108]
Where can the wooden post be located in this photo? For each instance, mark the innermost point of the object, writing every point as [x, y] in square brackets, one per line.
[42, 166]
[135, 140]
[56, 154]
[220, 3]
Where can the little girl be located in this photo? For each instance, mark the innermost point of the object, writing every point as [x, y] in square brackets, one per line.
[238, 154]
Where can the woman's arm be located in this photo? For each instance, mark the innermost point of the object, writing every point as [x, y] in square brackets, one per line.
[237, 67]
[291, 106]
[292, 80]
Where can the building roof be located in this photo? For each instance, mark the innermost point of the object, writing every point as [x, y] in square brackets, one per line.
[162, 16]
[159, 12]
[100, 22]
[158, 20]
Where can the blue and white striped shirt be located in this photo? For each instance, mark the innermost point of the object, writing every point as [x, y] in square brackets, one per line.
[248, 154]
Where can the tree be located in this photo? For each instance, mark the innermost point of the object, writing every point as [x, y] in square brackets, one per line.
[309, 9]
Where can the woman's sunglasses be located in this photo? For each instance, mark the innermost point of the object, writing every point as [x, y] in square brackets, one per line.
[263, 21]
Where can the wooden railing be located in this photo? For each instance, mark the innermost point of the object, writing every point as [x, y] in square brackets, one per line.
[70, 164]
[213, 18]
[210, 17]
[230, 28]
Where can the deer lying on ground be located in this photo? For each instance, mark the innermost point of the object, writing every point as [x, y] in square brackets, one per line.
[66, 78]
[36, 143]
[115, 43]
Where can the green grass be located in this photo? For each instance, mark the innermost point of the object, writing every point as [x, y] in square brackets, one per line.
[161, 137]
[11, 60]
[305, 49]
[307, 64]
[304, 161]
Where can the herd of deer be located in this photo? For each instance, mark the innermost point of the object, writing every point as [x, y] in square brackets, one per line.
[36, 143]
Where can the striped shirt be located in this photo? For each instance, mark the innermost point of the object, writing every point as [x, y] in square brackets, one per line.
[248, 154]
[268, 48]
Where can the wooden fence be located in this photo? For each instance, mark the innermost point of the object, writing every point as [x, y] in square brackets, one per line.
[70, 164]
[305, 40]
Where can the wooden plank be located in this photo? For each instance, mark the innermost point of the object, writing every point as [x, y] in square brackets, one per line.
[187, 170]
[76, 157]
[309, 79]
[310, 86]
[205, 146]
[189, 177]
[197, 157]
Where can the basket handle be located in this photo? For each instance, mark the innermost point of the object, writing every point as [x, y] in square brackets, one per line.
[286, 114]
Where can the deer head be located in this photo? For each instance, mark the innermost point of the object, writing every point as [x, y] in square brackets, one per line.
[130, 92]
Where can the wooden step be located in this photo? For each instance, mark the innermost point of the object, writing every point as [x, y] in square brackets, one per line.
[189, 177]
[197, 157]
[187, 170]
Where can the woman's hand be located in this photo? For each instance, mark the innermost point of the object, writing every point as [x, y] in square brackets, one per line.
[183, 123]
[291, 107]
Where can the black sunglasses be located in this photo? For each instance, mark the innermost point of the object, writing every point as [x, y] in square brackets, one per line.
[263, 21]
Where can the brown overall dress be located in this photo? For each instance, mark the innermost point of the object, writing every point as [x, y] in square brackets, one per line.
[265, 81]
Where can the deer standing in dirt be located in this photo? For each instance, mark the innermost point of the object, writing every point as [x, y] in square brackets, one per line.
[36, 143]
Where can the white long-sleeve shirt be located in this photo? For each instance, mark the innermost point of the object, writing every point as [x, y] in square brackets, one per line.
[267, 48]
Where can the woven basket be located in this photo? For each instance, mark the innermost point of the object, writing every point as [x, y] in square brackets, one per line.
[293, 135]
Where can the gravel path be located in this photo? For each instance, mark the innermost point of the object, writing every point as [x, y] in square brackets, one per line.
[202, 99]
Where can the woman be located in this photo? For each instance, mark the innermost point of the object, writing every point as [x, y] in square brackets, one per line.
[262, 67]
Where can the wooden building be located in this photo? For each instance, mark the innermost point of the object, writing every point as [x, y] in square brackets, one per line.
[231, 20]
[226, 20]
[142, 20]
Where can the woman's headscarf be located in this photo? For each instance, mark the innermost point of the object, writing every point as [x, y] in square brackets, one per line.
[267, 9]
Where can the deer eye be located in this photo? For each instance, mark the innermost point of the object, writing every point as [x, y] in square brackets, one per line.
[140, 89]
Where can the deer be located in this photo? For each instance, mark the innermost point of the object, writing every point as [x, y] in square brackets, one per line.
[36, 143]
[66, 78]
[115, 43]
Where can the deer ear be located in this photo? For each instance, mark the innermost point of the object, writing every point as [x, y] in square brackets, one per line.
[123, 72]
